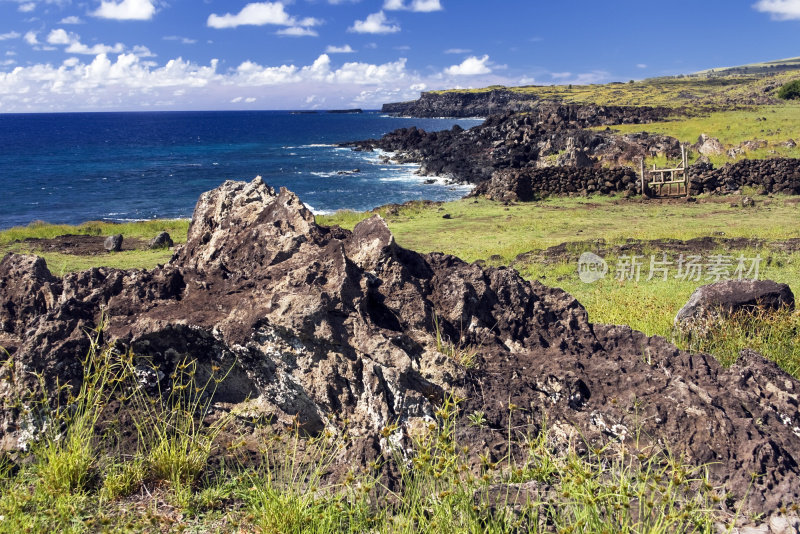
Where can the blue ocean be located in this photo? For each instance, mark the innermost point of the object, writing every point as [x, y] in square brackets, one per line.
[71, 168]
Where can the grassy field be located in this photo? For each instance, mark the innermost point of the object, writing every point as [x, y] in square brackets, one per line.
[14, 240]
[699, 90]
[774, 124]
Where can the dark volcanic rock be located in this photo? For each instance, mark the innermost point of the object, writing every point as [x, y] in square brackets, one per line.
[711, 301]
[321, 325]
[776, 175]
[162, 240]
[113, 243]
[549, 135]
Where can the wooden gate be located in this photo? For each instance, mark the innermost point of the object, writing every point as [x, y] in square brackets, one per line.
[660, 183]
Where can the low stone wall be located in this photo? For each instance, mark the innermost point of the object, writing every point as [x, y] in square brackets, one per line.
[531, 184]
[779, 175]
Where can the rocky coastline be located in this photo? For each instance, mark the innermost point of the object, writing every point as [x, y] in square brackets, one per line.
[550, 150]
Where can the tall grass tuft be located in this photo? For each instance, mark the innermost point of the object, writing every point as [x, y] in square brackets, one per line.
[67, 454]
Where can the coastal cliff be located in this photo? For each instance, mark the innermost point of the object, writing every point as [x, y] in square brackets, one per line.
[462, 104]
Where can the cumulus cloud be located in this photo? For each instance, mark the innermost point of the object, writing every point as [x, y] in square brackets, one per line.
[125, 10]
[297, 31]
[261, 14]
[780, 9]
[471, 66]
[27, 7]
[641, 65]
[9, 35]
[103, 83]
[31, 38]
[59, 36]
[346, 49]
[374, 23]
[420, 6]
[71, 20]
[458, 51]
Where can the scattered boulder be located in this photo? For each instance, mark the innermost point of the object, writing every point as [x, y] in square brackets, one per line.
[113, 243]
[319, 326]
[712, 301]
[708, 146]
[162, 240]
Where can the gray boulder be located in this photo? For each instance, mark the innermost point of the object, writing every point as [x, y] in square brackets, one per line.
[162, 240]
[720, 299]
[113, 243]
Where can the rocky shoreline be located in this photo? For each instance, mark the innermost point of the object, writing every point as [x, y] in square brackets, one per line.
[548, 150]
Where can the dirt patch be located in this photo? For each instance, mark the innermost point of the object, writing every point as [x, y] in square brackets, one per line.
[571, 251]
[81, 245]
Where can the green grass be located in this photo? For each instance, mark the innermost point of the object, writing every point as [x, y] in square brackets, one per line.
[177, 228]
[480, 229]
[13, 240]
[691, 91]
[734, 127]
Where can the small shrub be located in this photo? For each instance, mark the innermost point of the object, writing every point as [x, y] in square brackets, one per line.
[790, 91]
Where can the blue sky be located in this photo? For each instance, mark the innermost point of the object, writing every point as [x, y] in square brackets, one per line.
[81, 55]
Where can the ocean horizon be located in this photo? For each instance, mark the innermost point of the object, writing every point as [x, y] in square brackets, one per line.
[68, 168]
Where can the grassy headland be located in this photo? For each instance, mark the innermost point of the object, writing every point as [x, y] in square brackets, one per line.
[701, 90]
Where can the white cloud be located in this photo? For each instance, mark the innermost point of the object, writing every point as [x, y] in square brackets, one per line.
[73, 44]
[128, 81]
[374, 23]
[780, 9]
[71, 20]
[183, 40]
[31, 39]
[297, 31]
[125, 10]
[27, 7]
[7, 63]
[641, 65]
[346, 49]
[60, 37]
[260, 14]
[457, 51]
[9, 35]
[420, 6]
[471, 66]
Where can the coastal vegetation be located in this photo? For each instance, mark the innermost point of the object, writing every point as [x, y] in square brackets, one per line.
[790, 91]
[695, 92]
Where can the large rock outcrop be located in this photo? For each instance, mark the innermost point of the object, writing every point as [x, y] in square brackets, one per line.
[321, 325]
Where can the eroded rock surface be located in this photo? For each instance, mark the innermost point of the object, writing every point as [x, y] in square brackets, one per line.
[321, 325]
